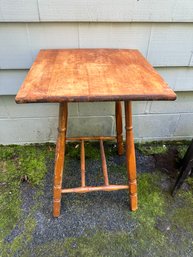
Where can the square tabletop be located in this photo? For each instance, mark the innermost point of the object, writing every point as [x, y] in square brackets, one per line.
[72, 75]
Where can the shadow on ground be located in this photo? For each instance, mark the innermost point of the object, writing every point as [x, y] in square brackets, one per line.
[100, 223]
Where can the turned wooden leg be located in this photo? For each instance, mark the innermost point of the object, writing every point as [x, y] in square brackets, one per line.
[59, 158]
[119, 129]
[130, 156]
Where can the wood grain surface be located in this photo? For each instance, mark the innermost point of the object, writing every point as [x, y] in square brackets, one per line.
[92, 75]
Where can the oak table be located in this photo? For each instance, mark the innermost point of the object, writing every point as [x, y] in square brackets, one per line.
[89, 75]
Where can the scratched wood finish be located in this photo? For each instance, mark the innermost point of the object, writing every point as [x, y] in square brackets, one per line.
[92, 75]
[59, 158]
[119, 127]
[130, 156]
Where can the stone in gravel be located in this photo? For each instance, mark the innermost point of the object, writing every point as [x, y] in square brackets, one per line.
[163, 225]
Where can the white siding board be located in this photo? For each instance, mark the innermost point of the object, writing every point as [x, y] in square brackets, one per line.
[178, 78]
[18, 10]
[20, 43]
[96, 11]
[191, 60]
[164, 44]
[115, 35]
[171, 45]
[111, 10]
[52, 35]
[15, 50]
[11, 80]
[93, 34]
[131, 35]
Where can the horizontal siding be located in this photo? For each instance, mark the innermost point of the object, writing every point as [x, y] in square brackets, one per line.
[163, 44]
[96, 10]
[19, 10]
[36, 123]
[178, 78]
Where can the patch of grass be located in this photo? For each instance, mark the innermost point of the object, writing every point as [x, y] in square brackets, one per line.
[151, 207]
[151, 199]
[181, 150]
[17, 164]
[183, 217]
[162, 147]
[18, 246]
[29, 161]
[91, 150]
[10, 200]
[189, 180]
[110, 148]
[152, 148]
[101, 244]
[122, 169]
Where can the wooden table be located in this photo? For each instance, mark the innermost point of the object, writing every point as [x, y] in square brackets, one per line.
[89, 75]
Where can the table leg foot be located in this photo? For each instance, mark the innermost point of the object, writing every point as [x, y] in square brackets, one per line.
[130, 157]
[119, 129]
[59, 158]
